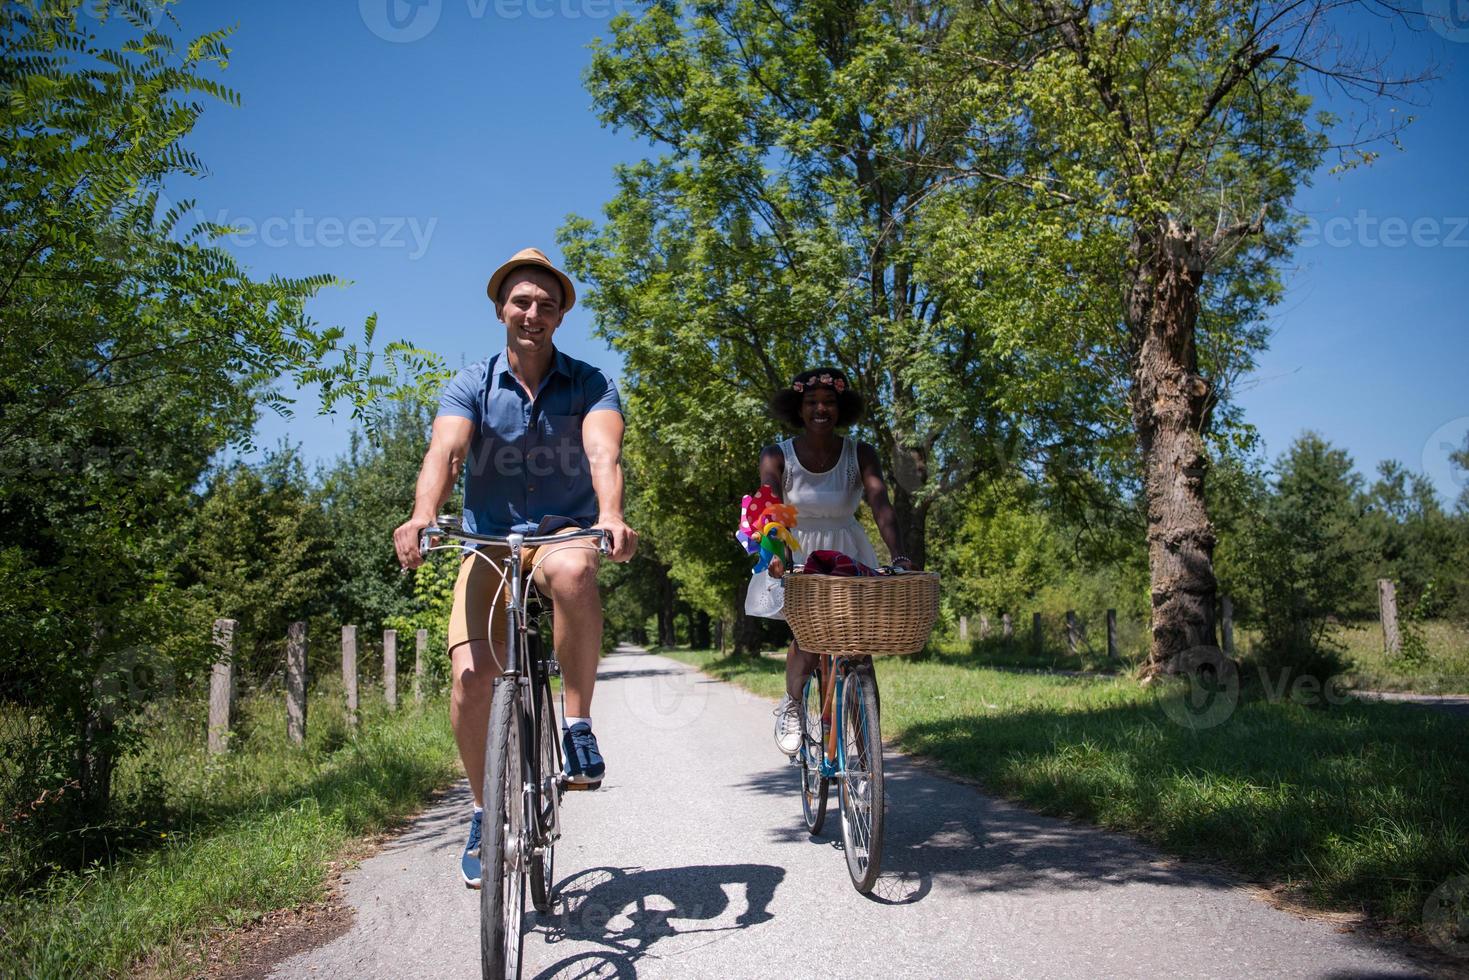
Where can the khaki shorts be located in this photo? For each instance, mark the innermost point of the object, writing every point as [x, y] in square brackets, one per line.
[477, 588]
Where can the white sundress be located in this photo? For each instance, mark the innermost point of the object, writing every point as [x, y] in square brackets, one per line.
[826, 505]
[826, 520]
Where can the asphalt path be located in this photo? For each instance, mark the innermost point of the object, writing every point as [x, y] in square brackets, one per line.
[692, 861]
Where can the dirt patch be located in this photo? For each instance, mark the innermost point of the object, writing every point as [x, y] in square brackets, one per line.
[252, 952]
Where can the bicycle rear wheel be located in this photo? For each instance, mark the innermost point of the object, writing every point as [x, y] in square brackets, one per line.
[503, 853]
[543, 865]
[814, 785]
[861, 778]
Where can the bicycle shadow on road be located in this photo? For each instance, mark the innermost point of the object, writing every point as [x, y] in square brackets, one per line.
[937, 828]
[627, 910]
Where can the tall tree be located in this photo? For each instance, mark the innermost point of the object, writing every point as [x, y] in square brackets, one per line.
[1182, 131]
[132, 348]
[783, 227]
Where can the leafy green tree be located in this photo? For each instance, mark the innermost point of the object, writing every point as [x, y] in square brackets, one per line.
[1306, 550]
[364, 496]
[132, 349]
[783, 227]
[260, 554]
[1173, 138]
[1005, 550]
[1412, 540]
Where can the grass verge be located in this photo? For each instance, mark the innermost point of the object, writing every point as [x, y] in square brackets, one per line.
[1351, 806]
[232, 837]
[1439, 666]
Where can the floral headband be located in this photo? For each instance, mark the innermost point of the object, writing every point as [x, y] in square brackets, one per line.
[822, 381]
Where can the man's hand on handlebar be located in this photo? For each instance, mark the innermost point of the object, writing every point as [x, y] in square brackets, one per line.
[405, 541]
[623, 539]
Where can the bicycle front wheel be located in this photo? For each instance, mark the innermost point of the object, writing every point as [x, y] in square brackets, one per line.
[814, 785]
[861, 778]
[543, 862]
[506, 836]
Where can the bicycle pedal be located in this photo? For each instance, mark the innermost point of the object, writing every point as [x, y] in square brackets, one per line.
[572, 787]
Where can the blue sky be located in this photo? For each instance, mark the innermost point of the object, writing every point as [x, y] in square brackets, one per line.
[411, 154]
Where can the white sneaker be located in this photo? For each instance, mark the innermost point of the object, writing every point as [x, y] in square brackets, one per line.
[788, 726]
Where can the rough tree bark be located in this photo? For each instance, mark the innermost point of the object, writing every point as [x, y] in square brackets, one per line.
[746, 629]
[667, 597]
[1170, 407]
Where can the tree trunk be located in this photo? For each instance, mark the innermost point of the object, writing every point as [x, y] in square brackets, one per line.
[911, 517]
[747, 629]
[666, 610]
[96, 760]
[699, 630]
[1171, 406]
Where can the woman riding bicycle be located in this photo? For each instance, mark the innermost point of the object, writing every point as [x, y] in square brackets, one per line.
[826, 476]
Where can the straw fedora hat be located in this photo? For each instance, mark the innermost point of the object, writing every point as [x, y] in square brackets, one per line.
[535, 257]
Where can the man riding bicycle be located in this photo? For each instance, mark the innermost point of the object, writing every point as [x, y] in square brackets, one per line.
[538, 435]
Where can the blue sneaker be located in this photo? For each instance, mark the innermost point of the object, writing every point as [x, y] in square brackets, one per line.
[584, 765]
[469, 863]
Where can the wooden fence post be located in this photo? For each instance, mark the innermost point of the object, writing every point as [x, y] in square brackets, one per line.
[1036, 636]
[1387, 605]
[1073, 632]
[963, 629]
[390, 667]
[349, 671]
[420, 648]
[296, 683]
[222, 686]
[984, 626]
[1112, 652]
[1226, 624]
[1007, 628]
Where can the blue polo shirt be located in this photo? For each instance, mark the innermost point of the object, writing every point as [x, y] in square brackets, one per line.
[526, 458]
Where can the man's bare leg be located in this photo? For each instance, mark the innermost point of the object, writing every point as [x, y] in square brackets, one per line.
[568, 574]
[474, 666]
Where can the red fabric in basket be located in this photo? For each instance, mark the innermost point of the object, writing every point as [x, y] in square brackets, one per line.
[835, 563]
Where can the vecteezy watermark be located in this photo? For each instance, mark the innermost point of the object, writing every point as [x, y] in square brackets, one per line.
[406, 21]
[667, 701]
[1366, 230]
[125, 679]
[1448, 18]
[1446, 916]
[400, 21]
[1206, 692]
[302, 230]
[1438, 462]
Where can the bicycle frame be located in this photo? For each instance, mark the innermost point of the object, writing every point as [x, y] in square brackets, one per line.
[833, 689]
[517, 628]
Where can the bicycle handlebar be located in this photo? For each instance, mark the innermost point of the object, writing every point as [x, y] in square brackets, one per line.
[450, 527]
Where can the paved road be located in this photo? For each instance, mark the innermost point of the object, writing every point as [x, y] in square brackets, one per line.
[692, 861]
[1453, 704]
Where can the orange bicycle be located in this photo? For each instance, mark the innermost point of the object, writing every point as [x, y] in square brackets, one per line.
[846, 620]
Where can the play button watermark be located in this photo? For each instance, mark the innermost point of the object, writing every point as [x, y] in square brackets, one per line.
[1449, 18]
[400, 21]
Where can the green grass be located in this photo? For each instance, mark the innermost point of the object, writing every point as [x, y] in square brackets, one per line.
[1442, 669]
[231, 838]
[1354, 807]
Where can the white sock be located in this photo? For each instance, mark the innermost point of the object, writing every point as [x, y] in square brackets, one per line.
[568, 721]
[478, 808]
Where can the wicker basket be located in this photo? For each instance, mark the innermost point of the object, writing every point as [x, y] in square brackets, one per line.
[885, 614]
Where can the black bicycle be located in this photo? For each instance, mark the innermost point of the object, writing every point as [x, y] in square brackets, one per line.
[524, 775]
